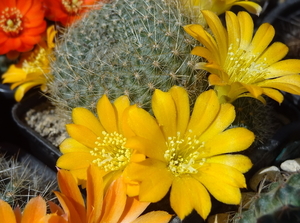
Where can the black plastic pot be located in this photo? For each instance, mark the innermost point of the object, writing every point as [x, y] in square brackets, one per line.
[38, 146]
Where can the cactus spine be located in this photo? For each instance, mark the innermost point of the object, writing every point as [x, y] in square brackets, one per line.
[125, 48]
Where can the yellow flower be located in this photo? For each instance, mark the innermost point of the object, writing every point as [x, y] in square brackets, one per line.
[98, 140]
[190, 154]
[114, 206]
[218, 6]
[33, 68]
[242, 65]
[34, 212]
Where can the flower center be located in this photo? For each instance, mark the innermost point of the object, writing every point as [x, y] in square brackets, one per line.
[37, 62]
[184, 154]
[241, 66]
[72, 6]
[110, 152]
[11, 21]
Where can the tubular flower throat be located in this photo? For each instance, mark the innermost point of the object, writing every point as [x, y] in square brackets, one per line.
[67, 11]
[21, 25]
[100, 141]
[243, 65]
[33, 67]
[186, 151]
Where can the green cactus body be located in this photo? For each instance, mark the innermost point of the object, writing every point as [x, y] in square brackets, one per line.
[125, 48]
[271, 205]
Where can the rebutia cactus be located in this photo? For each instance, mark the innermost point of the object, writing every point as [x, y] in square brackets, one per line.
[125, 48]
[280, 204]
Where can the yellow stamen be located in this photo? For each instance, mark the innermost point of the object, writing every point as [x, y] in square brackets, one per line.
[11, 21]
[110, 152]
[73, 6]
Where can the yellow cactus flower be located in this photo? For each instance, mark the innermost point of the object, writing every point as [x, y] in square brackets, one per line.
[243, 65]
[112, 206]
[33, 67]
[192, 155]
[217, 6]
[98, 140]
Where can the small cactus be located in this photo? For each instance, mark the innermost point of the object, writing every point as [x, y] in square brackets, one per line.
[271, 206]
[125, 48]
[21, 180]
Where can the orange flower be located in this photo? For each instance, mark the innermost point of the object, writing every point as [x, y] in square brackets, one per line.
[21, 25]
[67, 11]
[34, 212]
[114, 206]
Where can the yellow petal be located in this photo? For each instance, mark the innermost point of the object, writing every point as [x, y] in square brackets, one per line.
[70, 145]
[94, 189]
[232, 140]
[262, 38]
[148, 147]
[214, 79]
[82, 134]
[246, 29]
[233, 31]
[256, 91]
[69, 188]
[114, 201]
[225, 117]
[251, 7]
[34, 210]
[203, 52]
[284, 67]
[222, 173]
[205, 110]
[133, 209]
[218, 30]
[164, 111]
[107, 114]
[186, 194]
[19, 94]
[221, 191]
[274, 94]
[237, 161]
[290, 83]
[273, 53]
[155, 179]
[121, 103]
[82, 116]
[6, 213]
[181, 100]
[154, 216]
[77, 160]
[145, 126]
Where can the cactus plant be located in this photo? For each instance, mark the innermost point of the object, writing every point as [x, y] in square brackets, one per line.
[271, 206]
[125, 48]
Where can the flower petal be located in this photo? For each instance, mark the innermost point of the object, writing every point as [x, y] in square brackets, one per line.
[94, 189]
[70, 145]
[225, 117]
[114, 201]
[121, 103]
[262, 38]
[205, 110]
[164, 111]
[246, 29]
[273, 53]
[251, 7]
[82, 134]
[155, 179]
[77, 160]
[232, 140]
[6, 213]
[274, 94]
[181, 100]
[34, 210]
[284, 67]
[237, 161]
[82, 116]
[186, 194]
[154, 216]
[107, 114]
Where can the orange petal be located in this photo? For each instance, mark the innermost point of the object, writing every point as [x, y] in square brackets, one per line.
[34, 210]
[6, 213]
[154, 216]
